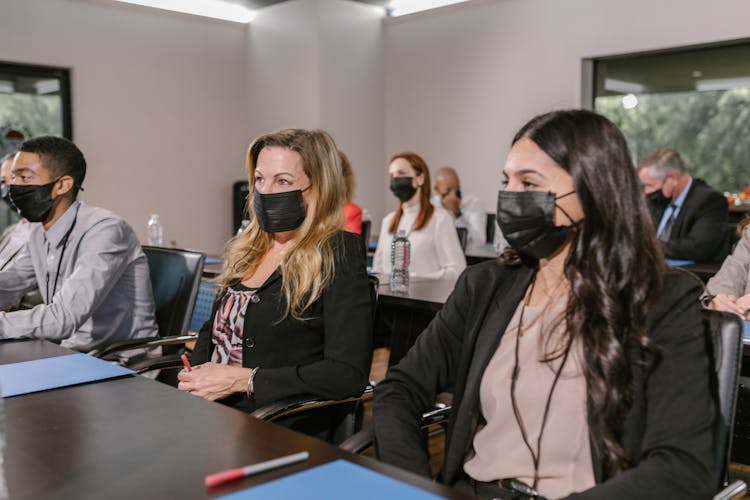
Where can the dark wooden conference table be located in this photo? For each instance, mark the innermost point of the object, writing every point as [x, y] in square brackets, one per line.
[136, 438]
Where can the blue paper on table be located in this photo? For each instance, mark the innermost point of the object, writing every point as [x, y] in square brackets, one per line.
[746, 330]
[51, 373]
[679, 263]
[333, 481]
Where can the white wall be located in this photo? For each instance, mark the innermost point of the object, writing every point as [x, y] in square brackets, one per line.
[159, 107]
[461, 80]
[318, 64]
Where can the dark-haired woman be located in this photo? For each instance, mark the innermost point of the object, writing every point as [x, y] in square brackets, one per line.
[435, 249]
[578, 367]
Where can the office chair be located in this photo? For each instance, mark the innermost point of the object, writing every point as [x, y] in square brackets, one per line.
[366, 227]
[463, 237]
[204, 304]
[725, 345]
[175, 279]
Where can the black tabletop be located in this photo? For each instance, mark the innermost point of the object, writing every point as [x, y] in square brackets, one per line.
[136, 438]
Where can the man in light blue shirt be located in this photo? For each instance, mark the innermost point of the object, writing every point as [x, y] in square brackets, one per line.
[86, 261]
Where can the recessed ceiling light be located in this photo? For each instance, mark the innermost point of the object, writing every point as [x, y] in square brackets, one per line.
[402, 7]
[216, 9]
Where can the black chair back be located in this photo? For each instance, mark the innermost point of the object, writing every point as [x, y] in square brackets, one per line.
[725, 343]
[463, 237]
[366, 226]
[175, 278]
[489, 227]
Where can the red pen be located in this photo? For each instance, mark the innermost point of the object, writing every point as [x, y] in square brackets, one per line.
[186, 362]
[240, 472]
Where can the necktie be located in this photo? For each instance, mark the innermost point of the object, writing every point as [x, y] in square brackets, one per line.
[666, 231]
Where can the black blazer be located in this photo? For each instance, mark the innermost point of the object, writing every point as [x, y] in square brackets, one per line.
[700, 231]
[327, 355]
[669, 433]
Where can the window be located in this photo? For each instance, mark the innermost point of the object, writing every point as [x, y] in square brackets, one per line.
[696, 100]
[34, 101]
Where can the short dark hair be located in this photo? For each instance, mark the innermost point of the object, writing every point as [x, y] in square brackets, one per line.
[60, 156]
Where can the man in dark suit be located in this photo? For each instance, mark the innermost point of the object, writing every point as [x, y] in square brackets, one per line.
[690, 216]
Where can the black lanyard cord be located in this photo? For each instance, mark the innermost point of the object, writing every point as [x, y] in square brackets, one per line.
[59, 262]
[535, 457]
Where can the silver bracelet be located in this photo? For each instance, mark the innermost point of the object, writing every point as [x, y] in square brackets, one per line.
[250, 384]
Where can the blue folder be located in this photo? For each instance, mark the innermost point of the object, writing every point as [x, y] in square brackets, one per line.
[337, 480]
[51, 373]
[746, 331]
[679, 263]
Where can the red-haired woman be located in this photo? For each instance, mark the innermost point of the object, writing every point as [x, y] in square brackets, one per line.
[435, 250]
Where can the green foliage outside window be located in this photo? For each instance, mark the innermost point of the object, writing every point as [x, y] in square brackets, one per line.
[711, 130]
[33, 115]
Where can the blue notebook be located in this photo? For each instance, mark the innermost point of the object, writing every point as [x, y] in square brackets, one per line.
[337, 480]
[51, 373]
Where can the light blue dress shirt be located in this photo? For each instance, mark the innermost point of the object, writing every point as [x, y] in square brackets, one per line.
[677, 204]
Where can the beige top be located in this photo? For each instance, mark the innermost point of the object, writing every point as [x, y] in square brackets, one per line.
[499, 451]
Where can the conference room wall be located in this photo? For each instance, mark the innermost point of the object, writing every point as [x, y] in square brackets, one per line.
[319, 64]
[159, 107]
[459, 81]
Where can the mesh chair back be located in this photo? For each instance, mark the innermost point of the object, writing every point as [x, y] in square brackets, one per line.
[175, 277]
[204, 305]
[726, 345]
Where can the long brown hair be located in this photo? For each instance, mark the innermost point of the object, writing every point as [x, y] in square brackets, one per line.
[741, 226]
[425, 207]
[309, 264]
[615, 267]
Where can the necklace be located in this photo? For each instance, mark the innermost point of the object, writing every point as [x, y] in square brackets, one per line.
[535, 455]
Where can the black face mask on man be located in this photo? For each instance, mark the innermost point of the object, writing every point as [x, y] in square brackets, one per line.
[402, 188]
[33, 202]
[279, 212]
[657, 198]
[527, 220]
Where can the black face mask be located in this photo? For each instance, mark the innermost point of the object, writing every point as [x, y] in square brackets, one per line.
[402, 188]
[279, 212]
[657, 198]
[32, 202]
[526, 219]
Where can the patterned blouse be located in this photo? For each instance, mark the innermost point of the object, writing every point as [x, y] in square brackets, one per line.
[228, 325]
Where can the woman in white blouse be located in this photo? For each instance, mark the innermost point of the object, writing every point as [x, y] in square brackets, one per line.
[435, 250]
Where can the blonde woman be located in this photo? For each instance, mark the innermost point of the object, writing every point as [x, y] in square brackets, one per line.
[293, 313]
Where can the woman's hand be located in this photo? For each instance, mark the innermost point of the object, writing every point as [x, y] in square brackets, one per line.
[729, 303]
[744, 303]
[214, 381]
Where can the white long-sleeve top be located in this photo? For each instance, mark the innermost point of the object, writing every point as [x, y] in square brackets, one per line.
[435, 250]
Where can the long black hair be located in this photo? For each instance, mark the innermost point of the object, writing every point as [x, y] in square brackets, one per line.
[615, 267]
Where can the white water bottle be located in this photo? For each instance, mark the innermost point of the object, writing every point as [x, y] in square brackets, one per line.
[400, 255]
[155, 231]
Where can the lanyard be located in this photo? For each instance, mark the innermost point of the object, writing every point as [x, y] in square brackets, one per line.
[59, 262]
[535, 456]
